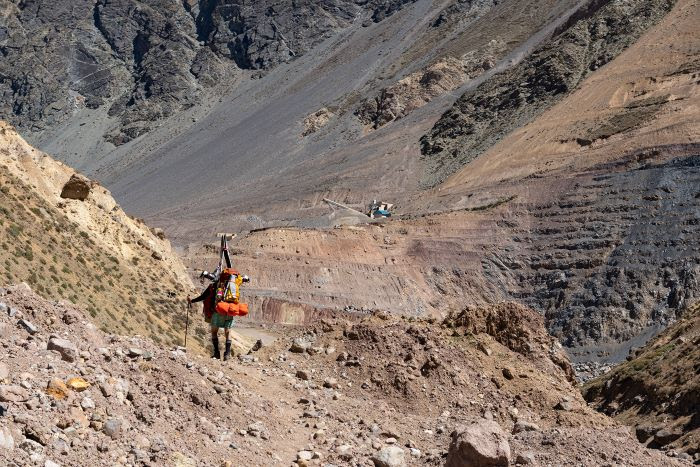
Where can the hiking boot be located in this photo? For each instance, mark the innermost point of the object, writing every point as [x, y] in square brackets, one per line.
[227, 352]
[215, 345]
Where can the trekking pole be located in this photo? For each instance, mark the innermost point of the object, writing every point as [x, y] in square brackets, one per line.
[187, 321]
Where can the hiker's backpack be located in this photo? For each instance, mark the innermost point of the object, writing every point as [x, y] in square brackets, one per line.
[228, 294]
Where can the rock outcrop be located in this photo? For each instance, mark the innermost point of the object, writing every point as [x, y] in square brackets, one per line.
[419, 88]
[77, 187]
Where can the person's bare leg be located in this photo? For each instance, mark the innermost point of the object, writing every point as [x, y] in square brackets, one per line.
[215, 342]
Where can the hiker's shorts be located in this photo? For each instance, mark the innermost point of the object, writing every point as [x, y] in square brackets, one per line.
[221, 321]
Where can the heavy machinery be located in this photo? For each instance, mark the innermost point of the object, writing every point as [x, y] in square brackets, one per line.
[378, 209]
[375, 210]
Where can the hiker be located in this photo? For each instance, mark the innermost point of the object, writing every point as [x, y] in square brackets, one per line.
[221, 305]
[215, 320]
[222, 299]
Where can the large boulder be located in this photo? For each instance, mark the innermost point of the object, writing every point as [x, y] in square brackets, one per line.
[78, 187]
[482, 443]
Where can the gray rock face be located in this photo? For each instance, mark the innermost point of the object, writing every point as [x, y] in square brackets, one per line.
[482, 443]
[618, 281]
[147, 59]
[68, 350]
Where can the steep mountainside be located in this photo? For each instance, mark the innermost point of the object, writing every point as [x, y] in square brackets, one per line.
[163, 57]
[658, 390]
[68, 239]
[577, 198]
[600, 237]
[593, 37]
[143, 60]
[607, 183]
[382, 391]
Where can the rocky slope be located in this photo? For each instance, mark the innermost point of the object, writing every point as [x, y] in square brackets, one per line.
[605, 216]
[599, 237]
[576, 209]
[141, 61]
[66, 237]
[656, 391]
[474, 390]
[353, 57]
[594, 36]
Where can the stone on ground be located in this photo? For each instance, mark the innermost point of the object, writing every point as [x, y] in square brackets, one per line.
[57, 389]
[13, 393]
[6, 440]
[392, 456]
[68, 351]
[482, 443]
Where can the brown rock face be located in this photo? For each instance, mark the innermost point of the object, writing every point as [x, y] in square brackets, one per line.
[517, 327]
[482, 443]
[78, 187]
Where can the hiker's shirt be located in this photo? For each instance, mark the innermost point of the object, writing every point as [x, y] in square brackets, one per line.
[207, 297]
